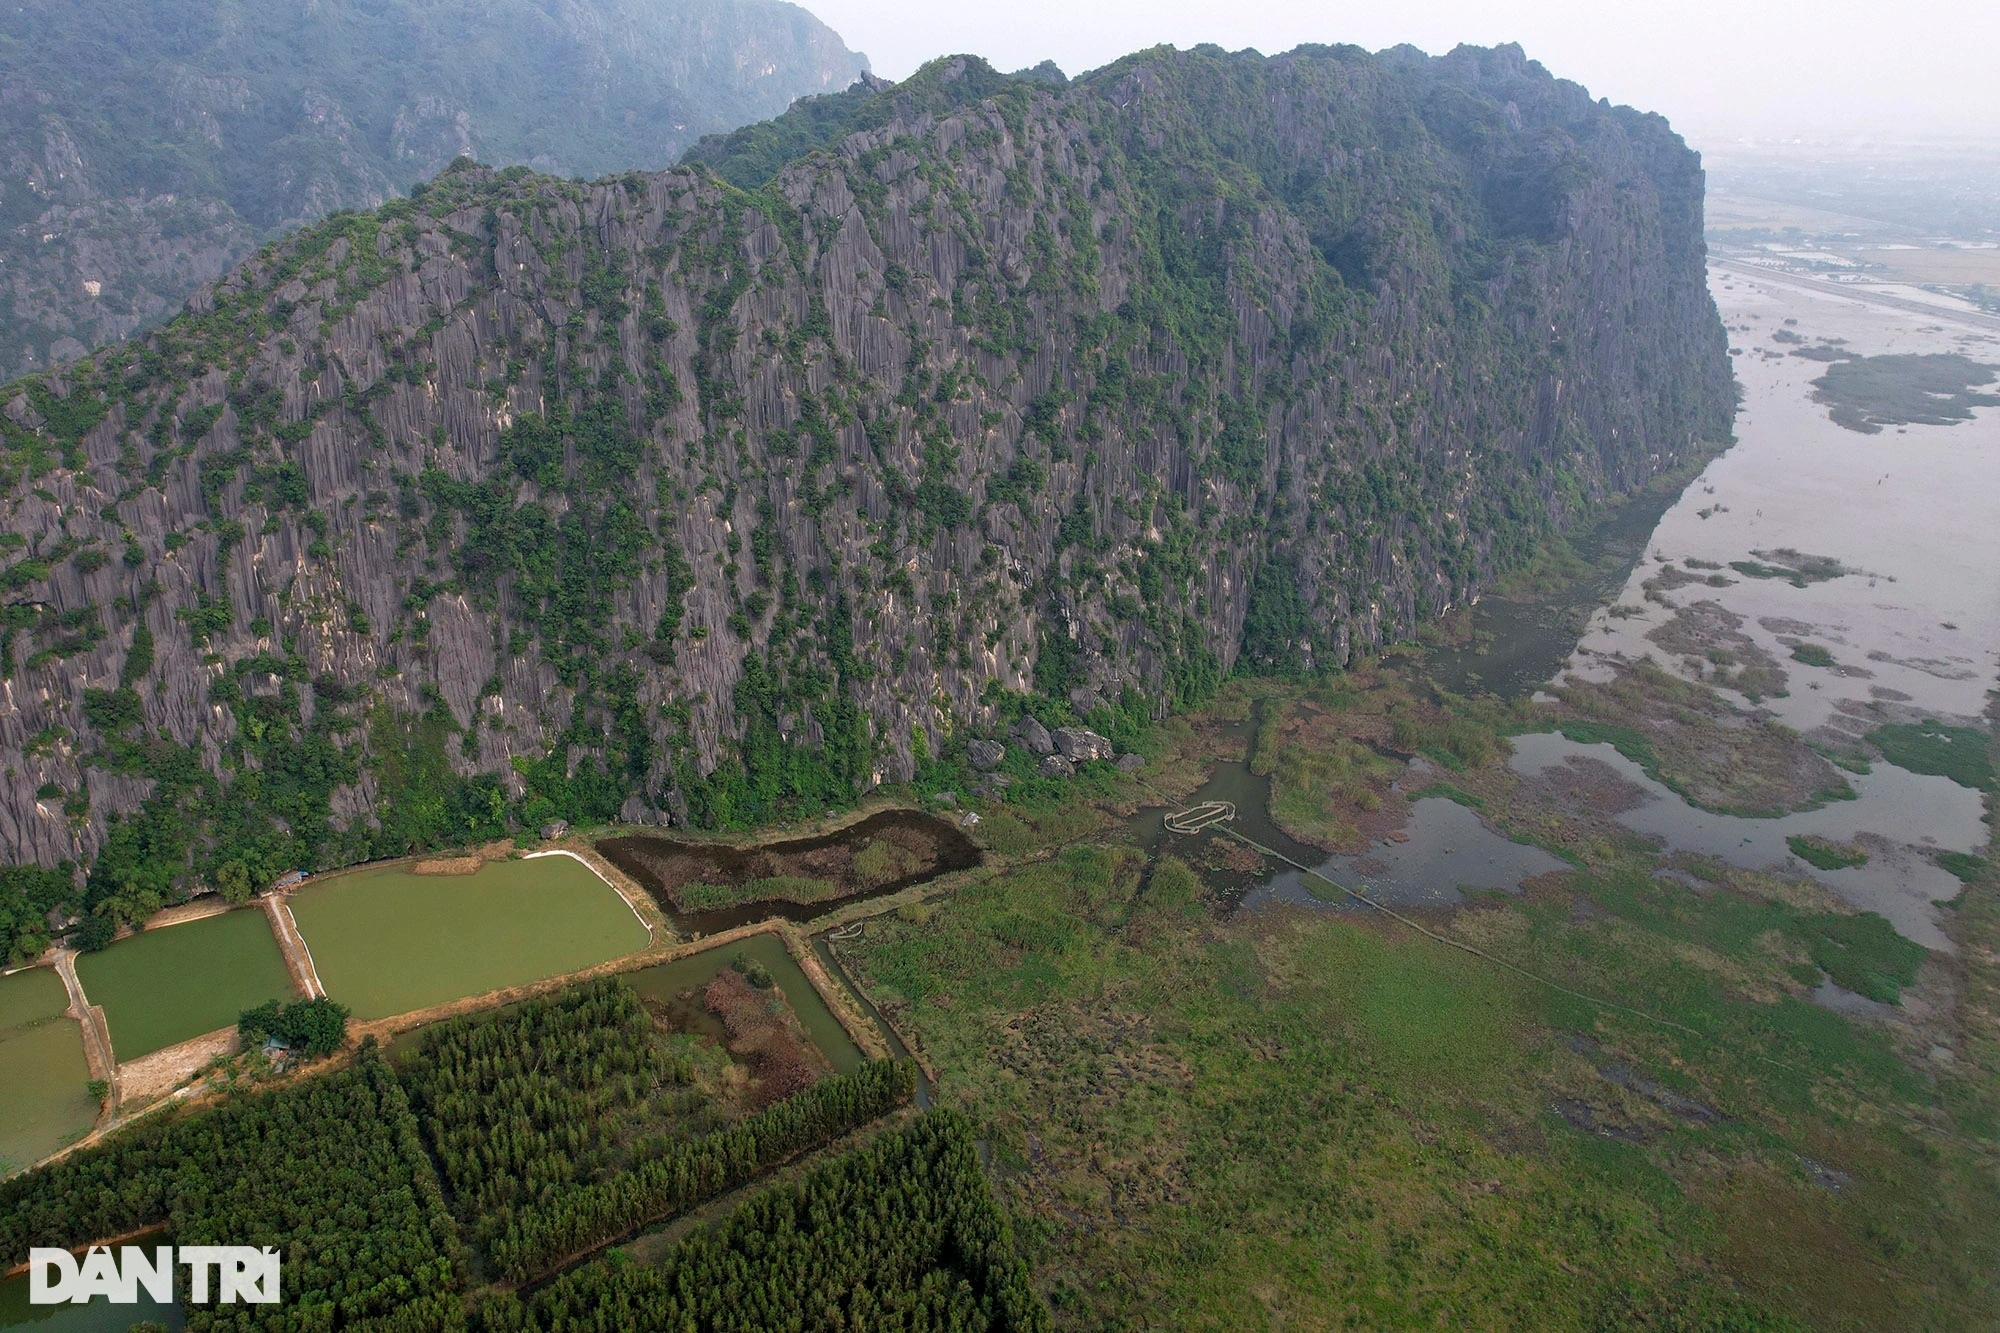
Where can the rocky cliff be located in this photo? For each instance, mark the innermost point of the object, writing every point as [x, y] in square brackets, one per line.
[734, 488]
[145, 149]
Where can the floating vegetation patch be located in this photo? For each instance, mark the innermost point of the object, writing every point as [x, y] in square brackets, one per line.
[1812, 654]
[1958, 753]
[1867, 393]
[1825, 853]
[1796, 567]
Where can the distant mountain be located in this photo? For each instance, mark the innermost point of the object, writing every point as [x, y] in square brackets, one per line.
[145, 148]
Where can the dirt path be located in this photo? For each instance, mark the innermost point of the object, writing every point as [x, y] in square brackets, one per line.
[836, 997]
[96, 1031]
[298, 958]
[166, 1071]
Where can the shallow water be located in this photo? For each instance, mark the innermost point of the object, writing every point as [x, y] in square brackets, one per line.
[1449, 852]
[99, 1316]
[640, 855]
[1900, 881]
[388, 941]
[669, 982]
[1445, 850]
[1521, 645]
[1915, 631]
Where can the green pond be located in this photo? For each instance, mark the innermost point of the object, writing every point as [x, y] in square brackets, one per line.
[166, 985]
[43, 1076]
[388, 941]
[667, 982]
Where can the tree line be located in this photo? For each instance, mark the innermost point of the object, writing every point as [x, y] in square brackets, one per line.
[540, 1133]
[529, 1101]
[330, 1170]
[900, 1234]
[573, 1221]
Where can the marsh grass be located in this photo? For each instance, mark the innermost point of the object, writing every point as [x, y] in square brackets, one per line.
[1932, 747]
[771, 888]
[1825, 853]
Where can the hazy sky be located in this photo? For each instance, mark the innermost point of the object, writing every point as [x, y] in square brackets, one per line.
[1718, 68]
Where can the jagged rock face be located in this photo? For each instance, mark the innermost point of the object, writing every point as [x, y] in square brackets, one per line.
[140, 166]
[983, 754]
[1035, 736]
[661, 498]
[1080, 745]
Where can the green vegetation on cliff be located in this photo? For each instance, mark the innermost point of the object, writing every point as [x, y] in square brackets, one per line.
[667, 496]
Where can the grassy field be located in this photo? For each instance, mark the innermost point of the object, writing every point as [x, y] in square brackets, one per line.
[1301, 1119]
[161, 987]
[388, 941]
[42, 1071]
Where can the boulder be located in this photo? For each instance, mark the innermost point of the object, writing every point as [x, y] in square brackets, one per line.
[984, 754]
[1080, 745]
[1035, 736]
[550, 832]
[1055, 766]
[1131, 763]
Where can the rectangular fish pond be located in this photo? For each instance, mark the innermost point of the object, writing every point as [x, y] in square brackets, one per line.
[43, 1076]
[387, 941]
[165, 986]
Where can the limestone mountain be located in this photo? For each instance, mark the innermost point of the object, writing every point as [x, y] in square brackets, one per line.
[730, 490]
[145, 148]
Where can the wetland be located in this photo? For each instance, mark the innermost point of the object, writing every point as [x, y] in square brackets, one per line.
[709, 886]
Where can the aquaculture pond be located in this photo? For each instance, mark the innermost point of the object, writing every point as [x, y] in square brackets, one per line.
[387, 940]
[165, 986]
[713, 886]
[43, 1101]
[671, 985]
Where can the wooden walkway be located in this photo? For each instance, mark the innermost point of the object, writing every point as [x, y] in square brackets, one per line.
[1204, 816]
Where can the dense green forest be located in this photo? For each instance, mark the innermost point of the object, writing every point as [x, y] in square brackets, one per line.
[524, 1103]
[900, 1234]
[570, 1221]
[313, 1028]
[332, 1170]
[502, 1145]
